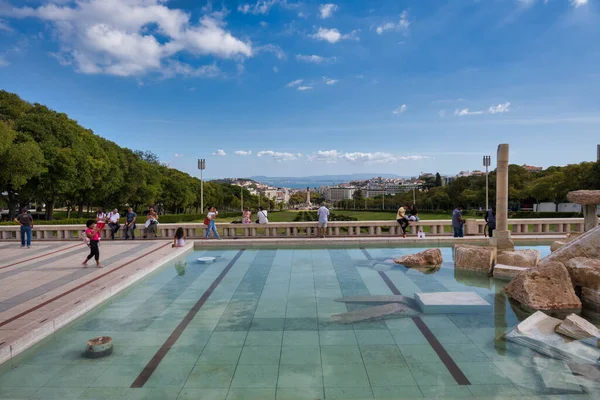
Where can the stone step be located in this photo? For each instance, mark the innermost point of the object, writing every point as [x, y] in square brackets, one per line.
[451, 302]
[507, 272]
[373, 312]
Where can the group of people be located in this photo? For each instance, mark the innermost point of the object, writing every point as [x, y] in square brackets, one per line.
[405, 215]
[113, 221]
[261, 214]
[458, 222]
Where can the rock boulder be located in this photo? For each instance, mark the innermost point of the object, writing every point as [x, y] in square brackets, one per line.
[586, 245]
[584, 272]
[519, 258]
[591, 298]
[480, 258]
[547, 288]
[430, 257]
[578, 328]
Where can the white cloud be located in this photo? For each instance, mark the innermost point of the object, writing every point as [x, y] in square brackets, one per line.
[297, 82]
[279, 156]
[400, 109]
[333, 35]
[314, 59]
[271, 48]
[302, 15]
[333, 156]
[578, 3]
[242, 152]
[500, 108]
[261, 7]
[466, 111]
[4, 26]
[402, 25]
[134, 37]
[303, 88]
[326, 10]
[177, 155]
[220, 153]
[275, 69]
[329, 81]
[442, 113]
[264, 24]
[3, 62]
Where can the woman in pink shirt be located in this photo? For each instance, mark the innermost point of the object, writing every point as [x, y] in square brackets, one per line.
[247, 216]
[93, 234]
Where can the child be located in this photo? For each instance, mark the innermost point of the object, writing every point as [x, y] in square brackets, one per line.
[179, 239]
[246, 216]
[93, 234]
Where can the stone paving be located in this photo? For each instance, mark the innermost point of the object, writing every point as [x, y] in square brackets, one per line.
[45, 287]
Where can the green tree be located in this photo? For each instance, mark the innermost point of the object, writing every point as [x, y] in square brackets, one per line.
[438, 180]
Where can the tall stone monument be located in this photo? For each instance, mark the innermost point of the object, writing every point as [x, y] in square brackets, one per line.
[307, 196]
[501, 237]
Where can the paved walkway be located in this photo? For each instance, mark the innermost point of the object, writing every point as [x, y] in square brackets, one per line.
[45, 287]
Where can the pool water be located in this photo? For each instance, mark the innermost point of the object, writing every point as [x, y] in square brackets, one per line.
[256, 324]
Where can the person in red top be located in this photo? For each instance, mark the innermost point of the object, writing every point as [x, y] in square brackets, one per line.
[93, 234]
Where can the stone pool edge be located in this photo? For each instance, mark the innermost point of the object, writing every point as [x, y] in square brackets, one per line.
[362, 241]
[30, 334]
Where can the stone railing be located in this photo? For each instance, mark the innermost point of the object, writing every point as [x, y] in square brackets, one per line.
[304, 229]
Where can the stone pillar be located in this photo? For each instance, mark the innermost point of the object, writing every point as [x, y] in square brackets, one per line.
[502, 235]
[590, 219]
[308, 197]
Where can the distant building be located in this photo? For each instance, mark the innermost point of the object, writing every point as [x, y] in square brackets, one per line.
[477, 173]
[370, 193]
[531, 168]
[339, 193]
[463, 174]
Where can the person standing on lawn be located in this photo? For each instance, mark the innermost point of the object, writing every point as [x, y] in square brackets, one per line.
[26, 221]
[130, 224]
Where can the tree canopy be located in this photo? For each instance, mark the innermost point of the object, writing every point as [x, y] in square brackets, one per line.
[46, 157]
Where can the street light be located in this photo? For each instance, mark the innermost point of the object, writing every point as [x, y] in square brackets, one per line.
[201, 167]
[487, 161]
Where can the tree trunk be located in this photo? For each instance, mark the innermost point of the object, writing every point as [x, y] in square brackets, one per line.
[49, 210]
[80, 210]
[68, 210]
[12, 205]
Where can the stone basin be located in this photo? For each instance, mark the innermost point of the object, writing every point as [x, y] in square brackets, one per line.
[99, 347]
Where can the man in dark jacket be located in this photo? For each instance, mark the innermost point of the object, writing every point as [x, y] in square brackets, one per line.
[490, 218]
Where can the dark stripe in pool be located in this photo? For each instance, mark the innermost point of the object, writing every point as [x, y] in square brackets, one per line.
[149, 369]
[454, 369]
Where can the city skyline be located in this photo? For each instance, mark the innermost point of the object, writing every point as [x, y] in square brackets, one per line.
[283, 88]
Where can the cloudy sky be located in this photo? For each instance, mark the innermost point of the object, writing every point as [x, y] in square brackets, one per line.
[294, 88]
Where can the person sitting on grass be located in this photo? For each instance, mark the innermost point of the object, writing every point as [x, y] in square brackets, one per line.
[179, 239]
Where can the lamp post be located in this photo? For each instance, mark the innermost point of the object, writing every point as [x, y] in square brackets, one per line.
[242, 198]
[201, 167]
[487, 160]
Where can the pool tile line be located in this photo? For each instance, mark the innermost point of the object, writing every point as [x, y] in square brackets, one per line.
[53, 299]
[153, 364]
[433, 341]
[40, 256]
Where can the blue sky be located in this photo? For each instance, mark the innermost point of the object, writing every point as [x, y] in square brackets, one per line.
[315, 87]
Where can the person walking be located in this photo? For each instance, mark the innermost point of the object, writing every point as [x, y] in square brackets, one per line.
[130, 224]
[490, 219]
[212, 214]
[93, 234]
[323, 214]
[262, 216]
[26, 221]
[458, 222]
[401, 218]
[113, 222]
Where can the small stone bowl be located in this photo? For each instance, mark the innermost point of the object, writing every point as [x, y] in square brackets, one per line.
[99, 347]
[206, 260]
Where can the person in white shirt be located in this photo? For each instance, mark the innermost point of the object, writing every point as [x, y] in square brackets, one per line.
[262, 216]
[113, 222]
[323, 215]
